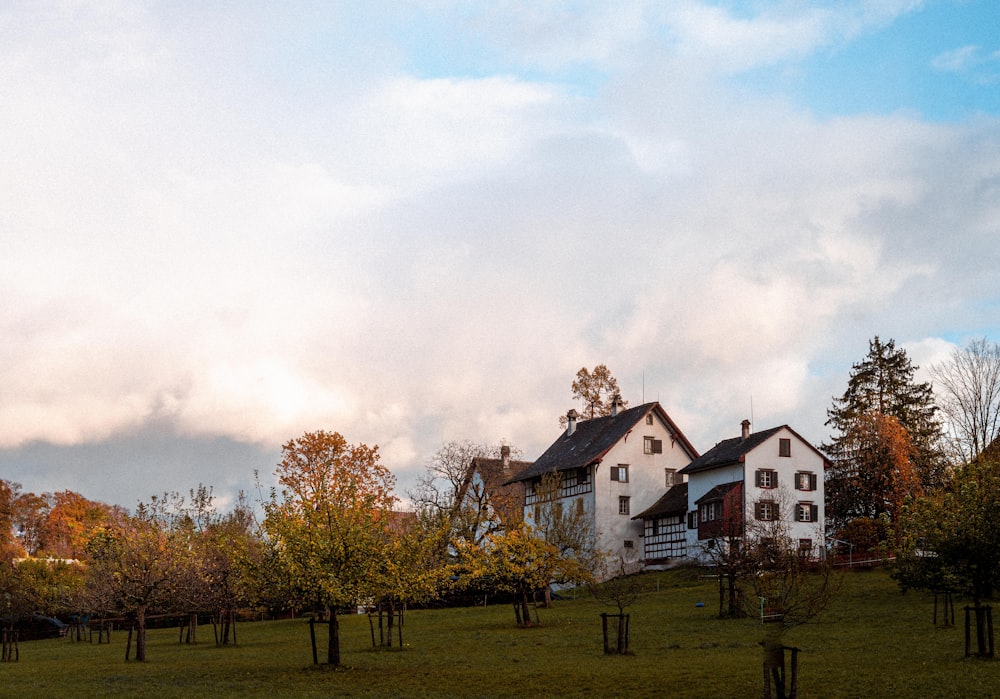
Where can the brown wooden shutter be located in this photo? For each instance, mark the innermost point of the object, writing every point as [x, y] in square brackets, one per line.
[657, 446]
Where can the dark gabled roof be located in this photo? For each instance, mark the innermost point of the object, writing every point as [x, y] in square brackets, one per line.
[593, 438]
[729, 451]
[718, 492]
[496, 473]
[672, 502]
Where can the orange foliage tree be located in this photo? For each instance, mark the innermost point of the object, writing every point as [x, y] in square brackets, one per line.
[329, 525]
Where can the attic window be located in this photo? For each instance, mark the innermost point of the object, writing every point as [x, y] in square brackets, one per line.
[649, 419]
[784, 447]
[651, 445]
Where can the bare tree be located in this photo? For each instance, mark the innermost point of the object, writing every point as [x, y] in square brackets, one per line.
[968, 386]
[463, 485]
[622, 586]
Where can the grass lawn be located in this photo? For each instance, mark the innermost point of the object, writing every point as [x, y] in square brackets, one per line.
[873, 642]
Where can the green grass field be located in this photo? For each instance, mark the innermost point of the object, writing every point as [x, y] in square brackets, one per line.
[873, 642]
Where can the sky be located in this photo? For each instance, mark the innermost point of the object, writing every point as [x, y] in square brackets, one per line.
[227, 224]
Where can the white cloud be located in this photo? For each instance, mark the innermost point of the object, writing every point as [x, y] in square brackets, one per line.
[957, 60]
[410, 261]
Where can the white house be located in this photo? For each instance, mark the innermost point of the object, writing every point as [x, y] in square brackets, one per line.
[753, 482]
[611, 468]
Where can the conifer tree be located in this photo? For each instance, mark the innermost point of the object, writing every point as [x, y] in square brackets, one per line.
[887, 441]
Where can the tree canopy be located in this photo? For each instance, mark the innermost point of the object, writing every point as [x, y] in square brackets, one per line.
[596, 391]
[887, 440]
[329, 524]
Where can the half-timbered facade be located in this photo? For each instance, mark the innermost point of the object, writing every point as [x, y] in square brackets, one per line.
[608, 469]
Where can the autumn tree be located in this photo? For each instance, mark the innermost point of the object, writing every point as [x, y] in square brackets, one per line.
[565, 524]
[416, 568]
[596, 390]
[957, 532]
[882, 415]
[69, 524]
[211, 579]
[31, 513]
[10, 548]
[968, 387]
[879, 476]
[519, 562]
[136, 564]
[329, 523]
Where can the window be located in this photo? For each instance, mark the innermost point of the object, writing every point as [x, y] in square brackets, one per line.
[766, 511]
[649, 419]
[581, 475]
[806, 512]
[784, 447]
[805, 481]
[623, 505]
[766, 478]
[670, 476]
[805, 547]
[693, 519]
[620, 473]
[651, 445]
[711, 511]
[629, 544]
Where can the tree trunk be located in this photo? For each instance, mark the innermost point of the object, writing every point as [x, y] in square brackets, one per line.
[525, 609]
[140, 634]
[333, 648]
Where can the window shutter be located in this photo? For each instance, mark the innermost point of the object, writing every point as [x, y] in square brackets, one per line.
[812, 481]
[758, 511]
[657, 446]
[814, 513]
[775, 514]
[798, 513]
[758, 478]
[614, 473]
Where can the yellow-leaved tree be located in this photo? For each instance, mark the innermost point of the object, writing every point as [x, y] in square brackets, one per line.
[329, 525]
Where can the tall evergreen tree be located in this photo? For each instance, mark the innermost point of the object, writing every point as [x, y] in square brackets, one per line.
[881, 395]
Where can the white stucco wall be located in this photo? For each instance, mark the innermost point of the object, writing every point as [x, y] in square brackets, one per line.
[802, 459]
[646, 483]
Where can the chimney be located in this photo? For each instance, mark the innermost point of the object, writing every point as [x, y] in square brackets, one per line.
[571, 417]
[505, 456]
[616, 405]
[746, 428]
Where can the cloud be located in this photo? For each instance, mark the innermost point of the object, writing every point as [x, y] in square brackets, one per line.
[214, 248]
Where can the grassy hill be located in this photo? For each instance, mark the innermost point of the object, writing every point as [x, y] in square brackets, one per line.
[873, 642]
